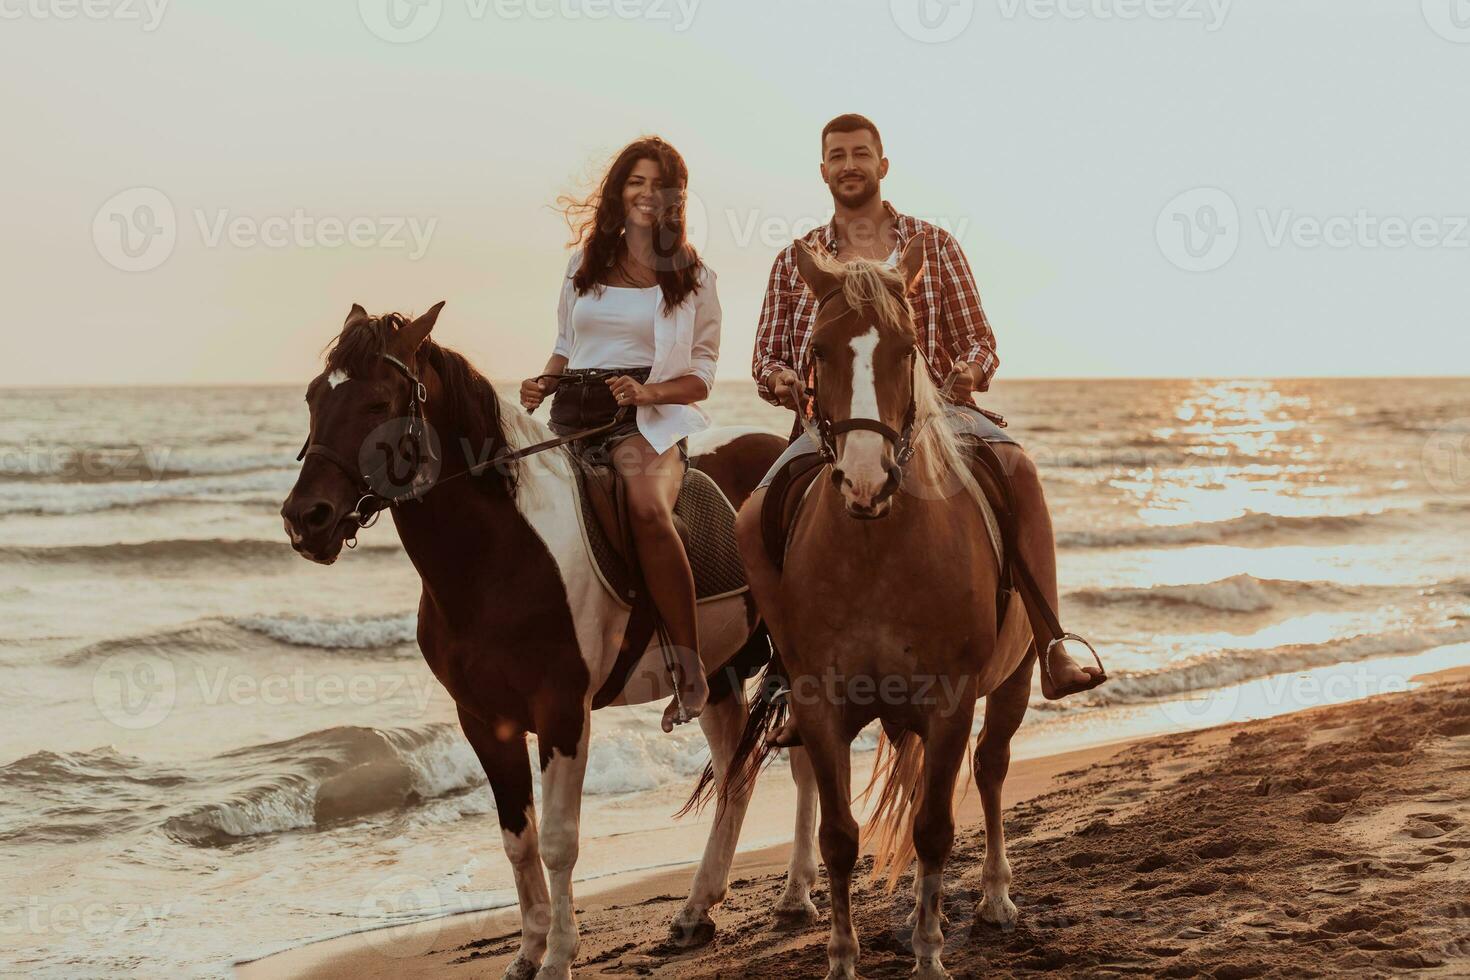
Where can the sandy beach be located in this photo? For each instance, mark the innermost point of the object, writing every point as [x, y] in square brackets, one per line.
[1337, 835]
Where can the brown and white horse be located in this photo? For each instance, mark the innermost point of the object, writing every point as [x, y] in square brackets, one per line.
[887, 608]
[513, 619]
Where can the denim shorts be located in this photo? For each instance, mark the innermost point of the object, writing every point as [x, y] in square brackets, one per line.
[584, 401]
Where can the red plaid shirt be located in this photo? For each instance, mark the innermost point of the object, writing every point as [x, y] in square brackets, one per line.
[947, 312]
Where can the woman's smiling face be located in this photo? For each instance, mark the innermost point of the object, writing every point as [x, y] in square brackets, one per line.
[642, 194]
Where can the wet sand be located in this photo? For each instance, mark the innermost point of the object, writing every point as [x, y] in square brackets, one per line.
[1331, 841]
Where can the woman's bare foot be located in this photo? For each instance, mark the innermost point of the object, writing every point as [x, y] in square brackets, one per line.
[1062, 676]
[693, 694]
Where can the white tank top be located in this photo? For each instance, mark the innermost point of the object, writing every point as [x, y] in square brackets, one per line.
[612, 327]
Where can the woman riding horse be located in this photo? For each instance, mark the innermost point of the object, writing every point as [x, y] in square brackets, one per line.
[638, 336]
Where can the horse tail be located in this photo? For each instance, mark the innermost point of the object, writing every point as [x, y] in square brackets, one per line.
[890, 828]
[752, 754]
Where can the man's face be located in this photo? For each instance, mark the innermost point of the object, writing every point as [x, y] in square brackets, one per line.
[853, 167]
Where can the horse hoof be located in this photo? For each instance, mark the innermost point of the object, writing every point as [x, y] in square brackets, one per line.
[1002, 913]
[688, 935]
[930, 971]
[554, 973]
[520, 969]
[795, 916]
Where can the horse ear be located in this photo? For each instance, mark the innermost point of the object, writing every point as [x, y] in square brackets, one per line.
[355, 314]
[418, 331]
[911, 263]
[818, 280]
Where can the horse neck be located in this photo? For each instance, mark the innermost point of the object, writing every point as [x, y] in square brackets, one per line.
[458, 516]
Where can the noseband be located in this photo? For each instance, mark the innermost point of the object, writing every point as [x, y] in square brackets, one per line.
[827, 431]
[371, 503]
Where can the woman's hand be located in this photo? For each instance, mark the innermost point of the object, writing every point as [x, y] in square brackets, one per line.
[629, 392]
[534, 392]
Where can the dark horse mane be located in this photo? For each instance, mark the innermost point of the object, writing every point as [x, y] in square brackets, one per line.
[469, 401]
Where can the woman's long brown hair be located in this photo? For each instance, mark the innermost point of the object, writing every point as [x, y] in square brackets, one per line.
[598, 223]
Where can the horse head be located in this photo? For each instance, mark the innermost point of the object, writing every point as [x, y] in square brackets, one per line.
[369, 441]
[864, 351]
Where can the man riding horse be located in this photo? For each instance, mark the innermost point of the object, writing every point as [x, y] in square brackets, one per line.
[959, 350]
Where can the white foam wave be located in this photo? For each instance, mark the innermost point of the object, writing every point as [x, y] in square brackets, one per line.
[350, 633]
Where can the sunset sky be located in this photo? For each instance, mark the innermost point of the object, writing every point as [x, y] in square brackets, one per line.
[1250, 189]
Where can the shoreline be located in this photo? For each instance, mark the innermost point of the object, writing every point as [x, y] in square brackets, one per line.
[486, 941]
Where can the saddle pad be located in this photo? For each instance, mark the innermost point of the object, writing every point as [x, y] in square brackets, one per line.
[706, 523]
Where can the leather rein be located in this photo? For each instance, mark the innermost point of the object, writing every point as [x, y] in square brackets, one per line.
[371, 503]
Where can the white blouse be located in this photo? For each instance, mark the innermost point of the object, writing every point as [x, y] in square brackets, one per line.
[612, 327]
[685, 341]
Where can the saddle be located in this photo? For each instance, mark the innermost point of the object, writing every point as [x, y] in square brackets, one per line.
[703, 516]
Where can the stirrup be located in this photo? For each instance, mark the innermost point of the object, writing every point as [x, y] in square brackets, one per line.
[1046, 669]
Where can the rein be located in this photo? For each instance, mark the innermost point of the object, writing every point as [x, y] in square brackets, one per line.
[371, 503]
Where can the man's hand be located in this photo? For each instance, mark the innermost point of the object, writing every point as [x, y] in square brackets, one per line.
[961, 381]
[534, 392]
[783, 382]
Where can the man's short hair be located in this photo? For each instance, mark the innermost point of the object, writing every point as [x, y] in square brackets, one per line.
[851, 122]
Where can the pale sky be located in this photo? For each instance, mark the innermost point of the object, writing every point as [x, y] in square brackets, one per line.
[1054, 137]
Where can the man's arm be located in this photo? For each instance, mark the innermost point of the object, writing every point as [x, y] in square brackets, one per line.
[773, 340]
[965, 330]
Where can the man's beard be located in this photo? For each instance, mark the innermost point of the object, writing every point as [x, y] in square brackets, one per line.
[855, 199]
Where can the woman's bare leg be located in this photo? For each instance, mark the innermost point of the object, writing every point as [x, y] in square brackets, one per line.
[653, 483]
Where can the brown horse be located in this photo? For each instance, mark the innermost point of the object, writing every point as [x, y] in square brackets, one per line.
[888, 605]
[513, 619]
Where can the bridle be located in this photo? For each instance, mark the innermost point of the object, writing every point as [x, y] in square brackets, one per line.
[825, 431]
[371, 502]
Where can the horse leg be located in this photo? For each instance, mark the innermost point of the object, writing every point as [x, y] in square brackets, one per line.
[508, 768]
[831, 760]
[944, 752]
[1004, 709]
[563, 732]
[722, 721]
[795, 907]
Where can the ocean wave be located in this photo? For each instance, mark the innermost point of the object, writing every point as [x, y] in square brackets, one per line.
[1237, 666]
[243, 634]
[1212, 532]
[167, 550]
[347, 633]
[133, 464]
[1237, 594]
[334, 775]
[81, 498]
